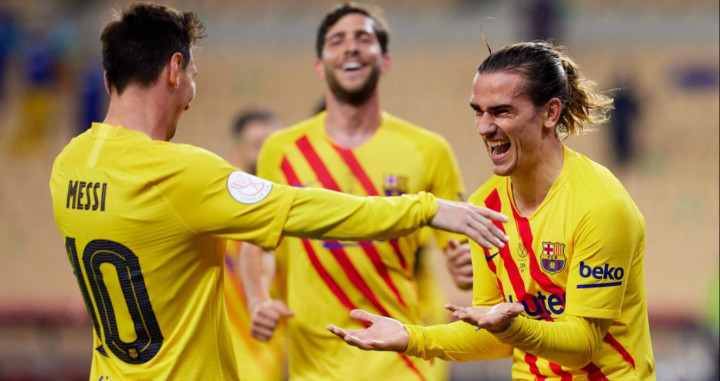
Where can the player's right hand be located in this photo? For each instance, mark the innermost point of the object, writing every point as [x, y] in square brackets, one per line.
[474, 221]
[265, 318]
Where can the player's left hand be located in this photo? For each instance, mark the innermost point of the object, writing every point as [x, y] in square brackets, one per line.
[495, 318]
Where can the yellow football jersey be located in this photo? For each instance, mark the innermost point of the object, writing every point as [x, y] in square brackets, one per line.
[581, 253]
[377, 276]
[144, 224]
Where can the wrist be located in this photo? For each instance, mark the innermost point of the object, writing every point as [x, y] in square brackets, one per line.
[257, 302]
[502, 329]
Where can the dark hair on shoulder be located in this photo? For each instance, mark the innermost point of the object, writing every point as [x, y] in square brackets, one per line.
[140, 40]
[379, 26]
[252, 115]
[551, 73]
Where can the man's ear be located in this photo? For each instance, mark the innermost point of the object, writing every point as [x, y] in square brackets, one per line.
[554, 109]
[319, 69]
[107, 84]
[385, 64]
[176, 68]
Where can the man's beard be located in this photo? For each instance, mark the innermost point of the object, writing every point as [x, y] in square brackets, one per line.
[354, 97]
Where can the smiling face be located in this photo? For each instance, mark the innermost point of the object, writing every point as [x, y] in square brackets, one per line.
[352, 59]
[516, 133]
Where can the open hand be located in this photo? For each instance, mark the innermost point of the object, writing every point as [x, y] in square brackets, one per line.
[383, 333]
[495, 318]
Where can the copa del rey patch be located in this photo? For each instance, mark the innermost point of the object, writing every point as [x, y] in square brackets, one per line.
[247, 189]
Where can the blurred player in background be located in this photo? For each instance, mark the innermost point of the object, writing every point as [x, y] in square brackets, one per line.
[353, 147]
[258, 361]
[566, 297]
[430, 291]
[145, 220]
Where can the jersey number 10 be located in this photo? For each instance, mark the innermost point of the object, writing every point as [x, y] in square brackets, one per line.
[149, 338]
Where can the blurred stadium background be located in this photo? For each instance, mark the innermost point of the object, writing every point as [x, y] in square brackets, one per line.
[261, 53]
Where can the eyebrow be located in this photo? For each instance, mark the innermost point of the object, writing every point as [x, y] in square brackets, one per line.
[491, 108]
[352, 32]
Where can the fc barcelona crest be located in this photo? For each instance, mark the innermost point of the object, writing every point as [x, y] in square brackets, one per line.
[395, 185]
[552, 259]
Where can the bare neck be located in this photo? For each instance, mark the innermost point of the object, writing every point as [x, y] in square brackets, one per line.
[529, 188]
[139, 109]
[351, 126]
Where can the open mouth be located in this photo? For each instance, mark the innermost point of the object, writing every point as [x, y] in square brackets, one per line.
[351, 66]
[498, 149]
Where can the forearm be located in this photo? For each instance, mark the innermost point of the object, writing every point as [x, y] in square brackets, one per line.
[570, 341]
[252, 274]
[319, 213]
[455, 342]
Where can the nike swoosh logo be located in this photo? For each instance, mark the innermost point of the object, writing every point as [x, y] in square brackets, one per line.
[490, 258]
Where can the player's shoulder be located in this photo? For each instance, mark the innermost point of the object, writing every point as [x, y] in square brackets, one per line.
[76, 145]
[158, 161]
[129, 150]
[587, 177]
[494, 184]
[189, 151]
[596, 191]
[421, 136]
[279, 142]
[295, 131]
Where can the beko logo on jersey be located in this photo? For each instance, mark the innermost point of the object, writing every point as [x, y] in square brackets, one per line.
[601, 273]
[86, 195]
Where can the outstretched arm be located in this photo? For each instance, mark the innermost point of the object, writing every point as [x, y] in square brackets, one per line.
[484, 333]
[455, 342]
[319, 213]
[569, 341]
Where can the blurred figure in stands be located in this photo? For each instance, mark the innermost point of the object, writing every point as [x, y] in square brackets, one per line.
[622, 122]
[92, 102]
[543, 20]
[9, 33]
[42, 64]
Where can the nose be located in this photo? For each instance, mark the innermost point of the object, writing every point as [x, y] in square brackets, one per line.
[352, 45]
[485, 124]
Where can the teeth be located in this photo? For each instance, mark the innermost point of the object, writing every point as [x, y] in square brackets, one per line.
[351, 66]
[496, 143]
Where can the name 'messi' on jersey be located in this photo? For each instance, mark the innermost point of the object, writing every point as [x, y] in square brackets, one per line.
[86, 195]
